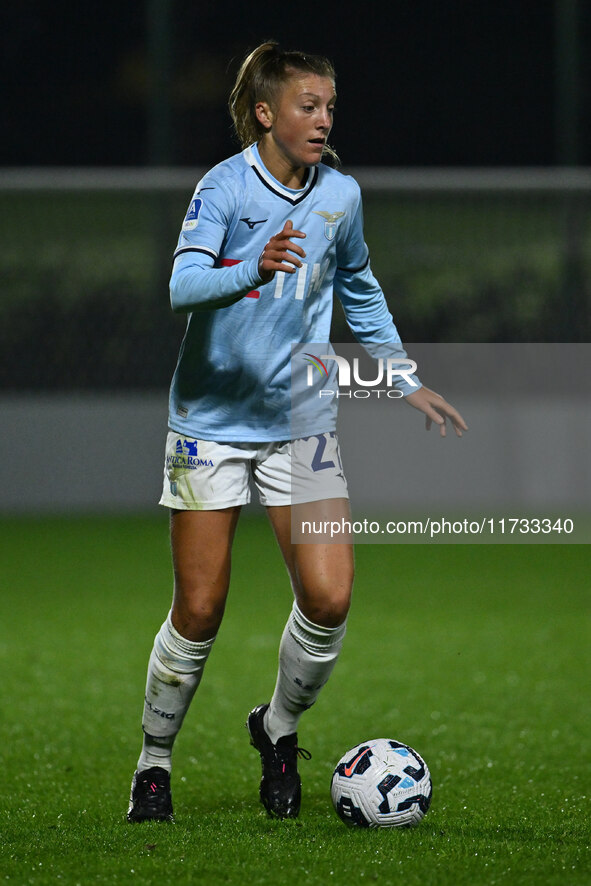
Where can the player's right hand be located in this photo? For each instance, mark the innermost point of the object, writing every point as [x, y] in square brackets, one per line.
[280, 254]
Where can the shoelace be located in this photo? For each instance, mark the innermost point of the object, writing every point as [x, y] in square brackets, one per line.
[287, 757]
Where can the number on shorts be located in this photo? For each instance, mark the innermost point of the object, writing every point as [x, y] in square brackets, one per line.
[317, 463]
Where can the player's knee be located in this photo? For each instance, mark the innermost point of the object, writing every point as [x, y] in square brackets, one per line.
[328, 611]
[198, 617]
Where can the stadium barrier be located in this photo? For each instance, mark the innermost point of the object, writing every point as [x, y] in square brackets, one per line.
[462, 255]
[89, 343]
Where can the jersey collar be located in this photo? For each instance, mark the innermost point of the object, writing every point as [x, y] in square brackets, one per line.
[251, 155]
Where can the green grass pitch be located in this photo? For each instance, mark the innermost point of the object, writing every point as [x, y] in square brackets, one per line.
[477, 656]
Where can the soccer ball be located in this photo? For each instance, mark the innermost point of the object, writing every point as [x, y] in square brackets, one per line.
[381, 783]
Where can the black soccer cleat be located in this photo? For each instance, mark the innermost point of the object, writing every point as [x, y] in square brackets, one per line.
[150, 798]
[281, 786]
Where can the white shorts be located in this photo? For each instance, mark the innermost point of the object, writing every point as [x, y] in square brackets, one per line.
[203, 475]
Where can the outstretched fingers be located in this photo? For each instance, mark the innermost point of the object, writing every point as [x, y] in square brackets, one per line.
[281, 253]
[437, 411]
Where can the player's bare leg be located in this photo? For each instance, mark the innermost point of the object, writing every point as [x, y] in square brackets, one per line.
[201, 544]
[322, 580]
[321, 574]
[201, 552]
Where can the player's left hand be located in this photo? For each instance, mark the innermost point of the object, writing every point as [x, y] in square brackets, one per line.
[437, 410]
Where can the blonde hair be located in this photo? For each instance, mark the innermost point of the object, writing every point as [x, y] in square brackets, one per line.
[262, 75]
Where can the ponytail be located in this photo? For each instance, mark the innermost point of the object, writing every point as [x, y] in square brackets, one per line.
[262, 75]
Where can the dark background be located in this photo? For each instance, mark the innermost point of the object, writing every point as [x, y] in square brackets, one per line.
[420, 83]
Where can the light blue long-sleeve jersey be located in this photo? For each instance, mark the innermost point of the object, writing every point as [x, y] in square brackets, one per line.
[233, 380]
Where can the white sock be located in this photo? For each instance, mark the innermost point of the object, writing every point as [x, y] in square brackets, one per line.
[174, 672]
[307, 655]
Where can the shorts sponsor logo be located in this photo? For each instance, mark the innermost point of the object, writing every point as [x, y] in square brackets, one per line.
[186, 457]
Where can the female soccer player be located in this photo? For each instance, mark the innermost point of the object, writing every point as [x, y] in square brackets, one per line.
[270, 235]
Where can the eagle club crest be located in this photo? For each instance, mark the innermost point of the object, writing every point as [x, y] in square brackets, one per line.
[330, 222]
